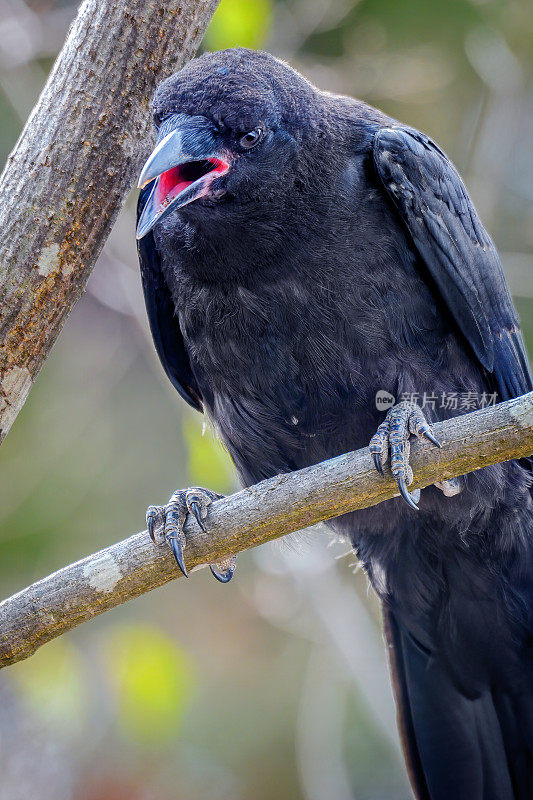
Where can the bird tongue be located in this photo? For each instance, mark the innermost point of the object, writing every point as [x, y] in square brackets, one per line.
[174, 181]
[170, 181]
[169, 186]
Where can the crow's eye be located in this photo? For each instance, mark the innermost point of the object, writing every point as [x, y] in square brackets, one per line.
[251, 138]
[157, 119]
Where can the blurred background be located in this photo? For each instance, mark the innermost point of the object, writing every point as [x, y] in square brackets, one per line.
[275, 685]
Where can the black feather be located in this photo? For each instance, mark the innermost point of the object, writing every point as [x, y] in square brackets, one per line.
[162, 317]
[457, 251]
[340, 257]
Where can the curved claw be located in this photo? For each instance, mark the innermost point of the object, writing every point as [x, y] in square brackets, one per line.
[377, 463]
[223, 577]
[405, 494]
[229, 570]
[432, 439]
[195, 510]
[150, 524]
[177, 549]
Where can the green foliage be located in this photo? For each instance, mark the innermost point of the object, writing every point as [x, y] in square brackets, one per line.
[242, 23]
[208, 464]
[52, 685]
[153, 680]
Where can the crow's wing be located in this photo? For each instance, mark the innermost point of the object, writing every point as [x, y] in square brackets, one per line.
[457, 251]
[463, 265]
[164, 323]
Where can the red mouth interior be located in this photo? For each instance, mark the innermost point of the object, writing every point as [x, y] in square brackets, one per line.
[174, 181]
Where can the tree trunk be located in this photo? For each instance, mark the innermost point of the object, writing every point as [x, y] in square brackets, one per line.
[73, 166]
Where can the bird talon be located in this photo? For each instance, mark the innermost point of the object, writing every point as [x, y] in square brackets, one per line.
[392, 437]
[377, 463]
[196, 511]
[150, 519]
[177, 549]
[405, 493]
[224, 571]
[169, 520]
[154, 515]
[432, 439]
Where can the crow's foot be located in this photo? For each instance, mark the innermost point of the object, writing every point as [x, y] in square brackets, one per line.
[165, 524]
[393, 434]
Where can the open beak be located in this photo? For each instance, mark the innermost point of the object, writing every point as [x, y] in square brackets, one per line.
[185, 162]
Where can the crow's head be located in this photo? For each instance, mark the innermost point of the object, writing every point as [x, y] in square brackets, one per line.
[230, 127]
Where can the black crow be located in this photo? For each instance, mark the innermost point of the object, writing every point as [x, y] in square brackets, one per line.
[306, 260]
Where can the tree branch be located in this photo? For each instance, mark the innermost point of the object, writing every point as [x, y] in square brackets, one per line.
[73, 166]
[263, 512]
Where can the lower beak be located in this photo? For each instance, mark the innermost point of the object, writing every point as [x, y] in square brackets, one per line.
[182, 167]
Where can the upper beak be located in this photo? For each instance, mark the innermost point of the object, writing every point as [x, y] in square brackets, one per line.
[184, 163]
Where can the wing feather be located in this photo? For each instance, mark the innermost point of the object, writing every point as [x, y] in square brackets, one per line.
[457, 250]
[164, 323]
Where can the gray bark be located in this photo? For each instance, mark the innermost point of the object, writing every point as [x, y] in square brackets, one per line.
[248, 518]
[73, 166]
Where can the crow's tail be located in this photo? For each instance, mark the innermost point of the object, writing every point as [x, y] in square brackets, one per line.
[457, 747]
